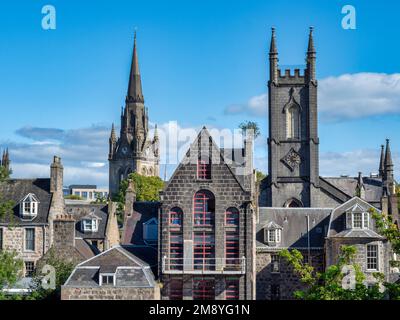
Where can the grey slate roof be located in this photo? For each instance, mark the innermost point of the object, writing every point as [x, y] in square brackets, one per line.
[294, 226]
[143, 212]
[348, 185]
[80, 210]
[17, 189]
[130, 271]
[337, 224]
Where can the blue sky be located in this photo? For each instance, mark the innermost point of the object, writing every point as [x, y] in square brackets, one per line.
[198, 59]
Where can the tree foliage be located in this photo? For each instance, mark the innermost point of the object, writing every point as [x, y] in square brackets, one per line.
[328, 285]
[11, 268]
[6, 206]
[63, 270]
[250, 125]
[146, 189]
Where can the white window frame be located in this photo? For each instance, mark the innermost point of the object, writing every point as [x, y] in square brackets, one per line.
[29, 207]
[90, 225]
[276, 235]
[101, 275]
[376, 257]
[25, 240]
[364, 220]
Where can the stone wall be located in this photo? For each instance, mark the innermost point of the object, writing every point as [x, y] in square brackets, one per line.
[286, 279]
[109, 293]
[14, 240]
[228, 193]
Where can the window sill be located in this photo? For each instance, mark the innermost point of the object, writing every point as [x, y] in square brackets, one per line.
[204, 180]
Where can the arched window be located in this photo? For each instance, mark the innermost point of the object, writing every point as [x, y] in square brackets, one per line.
[232, 217]
[203, 208]
[204, 168]
[293, 203]
[176, 216]
[293, 122]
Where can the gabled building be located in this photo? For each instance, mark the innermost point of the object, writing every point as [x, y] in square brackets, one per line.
[40, 220]
[301, 210]
[205, 225]
[115, 274]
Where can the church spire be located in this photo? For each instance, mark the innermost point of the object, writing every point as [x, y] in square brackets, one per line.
[388, 176]
[382, 162]
[135, 84]
[311, 55]
[273, 58]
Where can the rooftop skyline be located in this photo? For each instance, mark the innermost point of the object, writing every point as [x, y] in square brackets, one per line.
[201, 64]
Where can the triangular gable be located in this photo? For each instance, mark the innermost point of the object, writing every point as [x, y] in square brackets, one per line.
[215, 146]
[30, 197]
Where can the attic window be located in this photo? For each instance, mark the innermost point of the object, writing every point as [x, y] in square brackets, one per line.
[360, 220]
[204, 169]
[272, 236]
[29, 206]
[107, 279]
[90, 225]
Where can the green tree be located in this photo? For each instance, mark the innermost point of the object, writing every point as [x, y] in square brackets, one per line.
[146, 188]
[73, 197]
[6, 206]
[246, 125]
[328, 285]
[390, 230]
[63, 270]
[11, 268]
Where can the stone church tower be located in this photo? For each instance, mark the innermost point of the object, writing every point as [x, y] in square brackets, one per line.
[133, 151]
[293, 173]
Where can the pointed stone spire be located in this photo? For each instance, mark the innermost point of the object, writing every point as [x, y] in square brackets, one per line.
[311, 48]
[155, 133]
[382, 162]
[135, 84]
[388, 176]
[273, 58]
[113, 136]
[5, 160]
[311, 56]
[272, 47]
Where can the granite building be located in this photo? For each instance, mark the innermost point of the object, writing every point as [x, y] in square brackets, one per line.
[301, 210]
[205, 224]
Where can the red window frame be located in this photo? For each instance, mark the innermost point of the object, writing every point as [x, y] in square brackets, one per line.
[175, 289]
[203, 169]
[232, 288]
[176, 251]
[232, 217]
[203, 250]
[176, 216]
[232, 249]
[203, 288]
[203, 208]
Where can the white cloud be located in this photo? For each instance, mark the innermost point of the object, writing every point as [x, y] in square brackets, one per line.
[348, 96]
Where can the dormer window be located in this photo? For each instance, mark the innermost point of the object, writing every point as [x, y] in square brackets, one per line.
[359, 218]
[272, 233]
[29, 206]
[90, 225]
[107, 279]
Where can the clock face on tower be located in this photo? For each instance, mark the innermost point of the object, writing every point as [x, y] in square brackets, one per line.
[124, 150]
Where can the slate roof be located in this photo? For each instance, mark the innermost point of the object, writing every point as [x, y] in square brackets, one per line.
[17, 189]
[348, 185]
[337, 223]
[130, 271]
[294, 226]
[143, 212]
[80, 210]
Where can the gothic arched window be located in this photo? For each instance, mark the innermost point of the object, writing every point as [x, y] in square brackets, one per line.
[293, 203]
[203, 208]
[293, 122]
